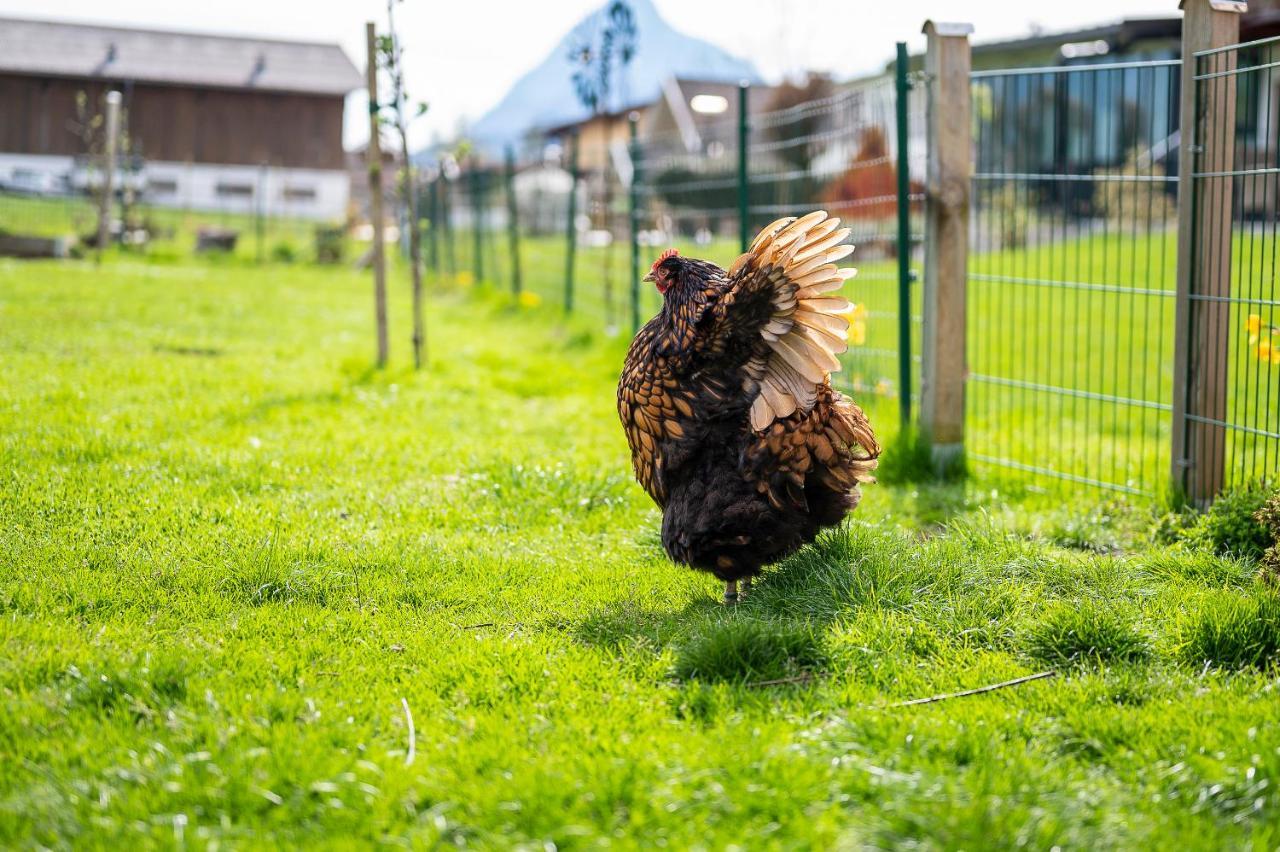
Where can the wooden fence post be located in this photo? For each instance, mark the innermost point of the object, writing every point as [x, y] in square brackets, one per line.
[108, 171]
[374, 164]
[950, 166]
[1200, 349]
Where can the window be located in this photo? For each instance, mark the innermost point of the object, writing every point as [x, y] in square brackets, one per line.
[234, 190]
[299, 193]
[163, 186]
[709, 104]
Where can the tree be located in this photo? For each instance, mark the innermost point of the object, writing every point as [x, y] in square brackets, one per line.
[592, 54]
[391, 54]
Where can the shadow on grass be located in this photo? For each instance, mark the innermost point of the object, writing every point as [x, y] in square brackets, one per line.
[776, 632]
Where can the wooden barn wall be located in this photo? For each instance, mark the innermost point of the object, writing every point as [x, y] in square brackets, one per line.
[179, 124]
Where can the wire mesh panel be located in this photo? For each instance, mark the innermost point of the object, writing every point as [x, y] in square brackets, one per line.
[46, 213]
[1072, 272]
[1232, 385]
[840, 154]
[689, 188]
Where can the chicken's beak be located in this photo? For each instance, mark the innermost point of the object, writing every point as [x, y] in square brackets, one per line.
[648, 279]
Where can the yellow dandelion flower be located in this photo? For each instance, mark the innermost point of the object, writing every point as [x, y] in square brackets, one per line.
[1253, 325]
[464, 279]
[529, 299]
[1267, 352]
[858, 325]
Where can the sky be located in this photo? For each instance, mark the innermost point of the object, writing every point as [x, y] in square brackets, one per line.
[461, 57]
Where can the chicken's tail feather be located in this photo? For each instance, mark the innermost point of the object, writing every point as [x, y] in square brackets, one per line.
[809, 328]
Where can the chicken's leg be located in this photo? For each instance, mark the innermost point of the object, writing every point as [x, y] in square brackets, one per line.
[744, 587]
[730, 591]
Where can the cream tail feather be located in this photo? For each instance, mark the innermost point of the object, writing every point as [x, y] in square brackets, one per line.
[809, 328]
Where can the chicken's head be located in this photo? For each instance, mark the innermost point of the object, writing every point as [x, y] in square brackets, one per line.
[663, 272]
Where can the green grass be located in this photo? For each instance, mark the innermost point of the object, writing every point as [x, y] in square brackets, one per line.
[230, 550]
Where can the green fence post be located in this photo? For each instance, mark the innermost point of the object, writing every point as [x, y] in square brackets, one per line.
[571, 232]
[513, 225]
[903, 94]
[446, 232]
[744, 188]
[477, 239]
[634, 198]
[433, 207]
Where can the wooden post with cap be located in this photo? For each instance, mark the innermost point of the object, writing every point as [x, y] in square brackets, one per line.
[950, 166]
[110, 146]
[1201, 328]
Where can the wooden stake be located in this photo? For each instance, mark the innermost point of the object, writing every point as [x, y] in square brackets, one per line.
[950, 165]
[410, 197]
[374, 152]
[1201, 329]
[108, 171]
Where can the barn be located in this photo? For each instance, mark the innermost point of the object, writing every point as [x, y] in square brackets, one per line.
[214, 122]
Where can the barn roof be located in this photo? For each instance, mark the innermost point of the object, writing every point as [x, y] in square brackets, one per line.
[57, 49]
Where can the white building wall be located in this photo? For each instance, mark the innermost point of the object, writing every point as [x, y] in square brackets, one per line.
[303, 193]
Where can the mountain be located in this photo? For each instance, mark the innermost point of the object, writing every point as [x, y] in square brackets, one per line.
[544, 97]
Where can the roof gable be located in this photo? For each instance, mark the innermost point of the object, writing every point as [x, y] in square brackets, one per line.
[49, 48]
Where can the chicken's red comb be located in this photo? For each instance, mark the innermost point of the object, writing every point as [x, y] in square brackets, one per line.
[666, 254]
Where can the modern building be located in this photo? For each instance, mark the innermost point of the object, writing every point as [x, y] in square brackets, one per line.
[213, 122]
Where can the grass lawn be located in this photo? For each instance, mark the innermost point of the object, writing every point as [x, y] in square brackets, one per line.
[232, 556]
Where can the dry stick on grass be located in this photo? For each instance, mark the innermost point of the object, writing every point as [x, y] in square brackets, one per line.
[981, 689]
[808, 676]
[413, 738]
[800, 678]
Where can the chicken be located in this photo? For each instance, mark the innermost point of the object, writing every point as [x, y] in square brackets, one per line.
[726, 399]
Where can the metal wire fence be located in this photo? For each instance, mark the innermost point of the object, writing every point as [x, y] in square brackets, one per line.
[841, 154]
[1072, 272]
[1230, 424]
[702, 190]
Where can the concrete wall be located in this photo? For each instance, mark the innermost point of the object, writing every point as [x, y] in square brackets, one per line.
[303, 193]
